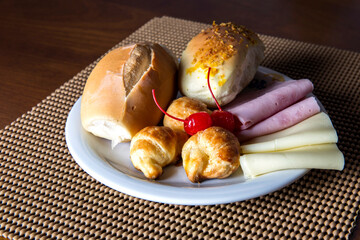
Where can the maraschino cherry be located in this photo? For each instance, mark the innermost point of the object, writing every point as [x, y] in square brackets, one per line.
[222, 118]
[194, 123]
[200, 121]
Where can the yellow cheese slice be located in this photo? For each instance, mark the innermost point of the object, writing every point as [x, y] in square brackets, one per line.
[317, 129]
[323, 156]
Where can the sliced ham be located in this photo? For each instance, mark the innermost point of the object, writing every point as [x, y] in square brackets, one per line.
[282, 120]
[255, 106]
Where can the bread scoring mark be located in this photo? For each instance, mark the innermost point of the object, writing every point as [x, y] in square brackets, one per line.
[135, 67]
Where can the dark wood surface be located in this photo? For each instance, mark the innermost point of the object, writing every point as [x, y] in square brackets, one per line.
[45, 43]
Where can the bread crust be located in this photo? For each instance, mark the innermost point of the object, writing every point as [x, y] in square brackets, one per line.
[212, 153]
[234, 54]
[122, 113]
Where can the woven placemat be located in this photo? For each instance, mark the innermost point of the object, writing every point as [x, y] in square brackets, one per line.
[44, 194]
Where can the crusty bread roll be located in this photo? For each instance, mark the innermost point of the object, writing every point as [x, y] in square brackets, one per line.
[182, 108]
[155, 147]
[212, 153]
[117, 100]
[233, 53]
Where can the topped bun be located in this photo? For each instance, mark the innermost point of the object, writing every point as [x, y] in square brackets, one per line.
[233, 53]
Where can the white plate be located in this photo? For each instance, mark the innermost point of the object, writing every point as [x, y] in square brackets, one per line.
[113, 168]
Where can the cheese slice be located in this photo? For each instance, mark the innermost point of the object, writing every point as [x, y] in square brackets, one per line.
[317, 129]
[323, 156]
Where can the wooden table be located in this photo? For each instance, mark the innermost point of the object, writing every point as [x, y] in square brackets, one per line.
[45, 43]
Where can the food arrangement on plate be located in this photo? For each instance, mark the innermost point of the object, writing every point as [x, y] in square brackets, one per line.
[224, 119]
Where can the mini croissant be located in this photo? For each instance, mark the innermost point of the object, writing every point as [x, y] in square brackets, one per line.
[212, 153]
[155, 147]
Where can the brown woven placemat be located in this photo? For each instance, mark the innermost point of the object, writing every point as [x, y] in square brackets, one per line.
[44, 194]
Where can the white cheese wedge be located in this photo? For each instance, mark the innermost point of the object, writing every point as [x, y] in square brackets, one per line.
[323, 156]
[317, 129]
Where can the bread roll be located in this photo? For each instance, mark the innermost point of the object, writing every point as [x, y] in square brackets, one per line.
[233, 53]
[212, 153]
[117, 100]
[182, 108]
[155, 147]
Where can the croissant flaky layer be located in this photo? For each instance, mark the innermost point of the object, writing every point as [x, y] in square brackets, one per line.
[155, 147]
[212, 153]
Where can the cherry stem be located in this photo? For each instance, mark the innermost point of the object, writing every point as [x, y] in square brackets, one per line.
[212, 94]
[157, 104]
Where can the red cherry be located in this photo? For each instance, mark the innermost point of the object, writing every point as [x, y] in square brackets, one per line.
[223, 119]
[197, 122]
[192, 124]
[237, 124]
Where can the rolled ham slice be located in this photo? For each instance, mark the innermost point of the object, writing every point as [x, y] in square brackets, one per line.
[255, 106]
[284, 119]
